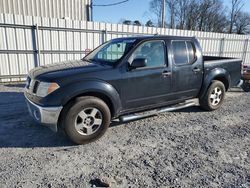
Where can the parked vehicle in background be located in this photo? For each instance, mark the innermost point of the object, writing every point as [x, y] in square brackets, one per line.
[246, 78]
[128, 78]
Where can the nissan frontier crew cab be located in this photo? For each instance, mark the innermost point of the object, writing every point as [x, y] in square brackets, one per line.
[127, 79]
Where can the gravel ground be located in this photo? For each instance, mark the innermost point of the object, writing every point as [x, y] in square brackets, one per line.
[187, 148]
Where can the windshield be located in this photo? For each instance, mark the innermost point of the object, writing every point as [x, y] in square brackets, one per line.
[110, 52]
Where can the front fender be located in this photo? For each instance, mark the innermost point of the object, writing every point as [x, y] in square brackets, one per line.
[66, 93]
[214, 74]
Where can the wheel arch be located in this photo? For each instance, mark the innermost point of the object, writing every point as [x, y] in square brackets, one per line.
[105, 98]
[95, 88]
[219, 74]
[224, 80]
[101, 95]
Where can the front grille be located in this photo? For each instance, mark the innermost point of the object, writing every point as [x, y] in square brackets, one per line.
[28, 80]
[32, 85]
[36, 84]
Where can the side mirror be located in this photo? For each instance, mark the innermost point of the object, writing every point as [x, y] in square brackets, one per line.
[139, 62]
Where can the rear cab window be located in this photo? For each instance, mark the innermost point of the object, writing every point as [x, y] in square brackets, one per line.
[183, 52]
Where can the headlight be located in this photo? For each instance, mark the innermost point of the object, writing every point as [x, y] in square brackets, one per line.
[46, 88]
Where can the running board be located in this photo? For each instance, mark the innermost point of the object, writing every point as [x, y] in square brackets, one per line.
[186, 104]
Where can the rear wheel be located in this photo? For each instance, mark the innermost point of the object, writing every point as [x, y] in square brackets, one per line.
[214, 97]
[246, 86]
[86, 120]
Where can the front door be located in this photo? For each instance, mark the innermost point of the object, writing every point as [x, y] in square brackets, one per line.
[150, 85]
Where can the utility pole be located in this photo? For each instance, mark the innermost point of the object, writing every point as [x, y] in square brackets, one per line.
[91, 10]
[163, 13]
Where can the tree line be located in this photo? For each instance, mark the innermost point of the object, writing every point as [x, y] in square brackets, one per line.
[200, 15]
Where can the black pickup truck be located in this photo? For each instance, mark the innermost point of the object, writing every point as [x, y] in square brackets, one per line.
[127, 79]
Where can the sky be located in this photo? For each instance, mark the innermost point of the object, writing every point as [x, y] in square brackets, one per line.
[132, 10]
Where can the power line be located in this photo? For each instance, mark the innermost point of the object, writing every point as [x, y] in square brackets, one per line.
[111, 4]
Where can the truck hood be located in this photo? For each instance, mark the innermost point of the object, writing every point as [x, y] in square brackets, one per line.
[64, 67]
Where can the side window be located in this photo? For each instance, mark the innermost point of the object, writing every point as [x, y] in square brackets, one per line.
[152, 51]
[183, 52]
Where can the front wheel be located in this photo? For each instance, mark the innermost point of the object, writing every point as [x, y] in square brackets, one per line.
[86, 120]
[214, 97]
[246, 86]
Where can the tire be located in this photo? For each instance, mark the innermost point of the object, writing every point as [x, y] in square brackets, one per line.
[214, 97]
[86, 119]
[246, 87]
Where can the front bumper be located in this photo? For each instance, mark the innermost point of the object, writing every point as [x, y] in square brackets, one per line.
[44, 115]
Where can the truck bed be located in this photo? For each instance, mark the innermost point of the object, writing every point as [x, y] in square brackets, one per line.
[232, 65]
[216, 59]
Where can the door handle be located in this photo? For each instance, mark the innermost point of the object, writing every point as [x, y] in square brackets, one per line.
[166, 73]
[196, 69]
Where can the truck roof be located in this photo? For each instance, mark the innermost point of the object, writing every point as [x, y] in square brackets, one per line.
[142, 37]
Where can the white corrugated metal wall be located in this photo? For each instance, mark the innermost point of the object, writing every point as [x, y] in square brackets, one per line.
[22, 46]
[72, 9]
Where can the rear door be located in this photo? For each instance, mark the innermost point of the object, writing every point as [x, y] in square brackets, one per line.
[187, 68]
